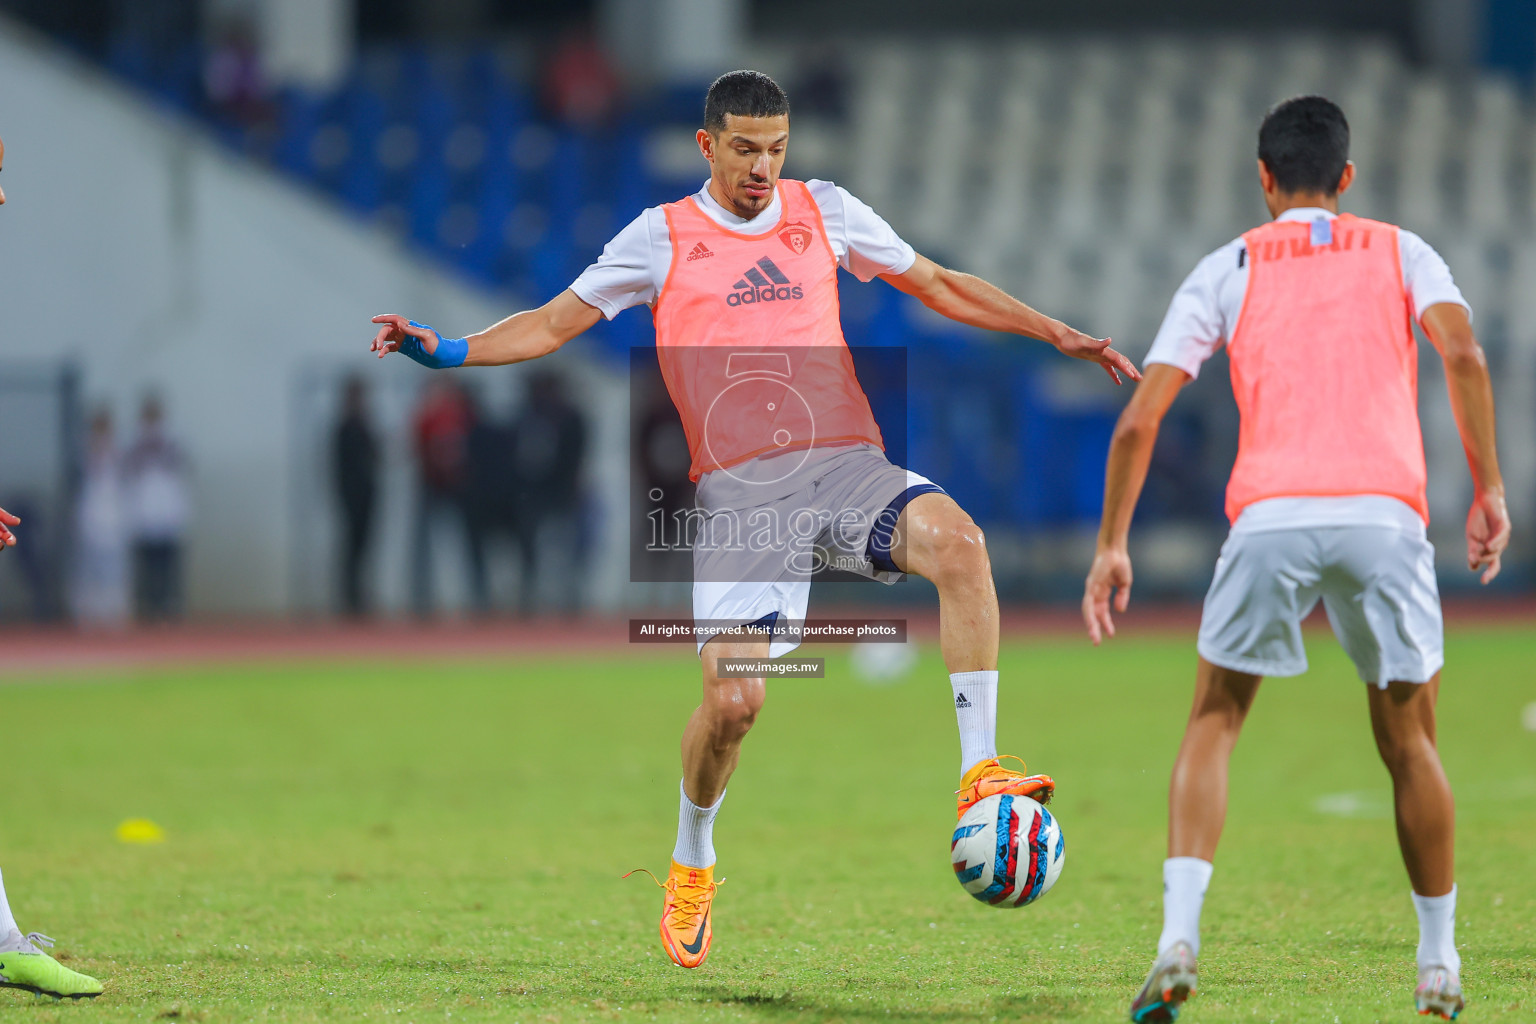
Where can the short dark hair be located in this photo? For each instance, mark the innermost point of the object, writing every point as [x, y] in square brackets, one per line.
[1305, 144]
[745, 94]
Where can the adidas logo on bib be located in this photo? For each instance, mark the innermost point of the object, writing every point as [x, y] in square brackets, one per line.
[763, 282]
[699, 252]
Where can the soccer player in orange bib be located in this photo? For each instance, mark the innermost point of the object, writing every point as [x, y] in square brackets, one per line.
[741, 279]
[1327, 502]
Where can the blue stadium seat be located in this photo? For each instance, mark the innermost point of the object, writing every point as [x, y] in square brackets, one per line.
[366, 115]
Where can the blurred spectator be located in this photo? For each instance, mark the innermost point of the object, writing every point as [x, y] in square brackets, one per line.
[32, 558]
[491, 496]
[660, 453]
[579, 85]
[233, 83]
[158, 510]
[99, 579]
[549, 446]
[355, 463]
[441, 428]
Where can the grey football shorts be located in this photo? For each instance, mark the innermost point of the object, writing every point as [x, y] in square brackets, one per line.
[1377, 584]
[764, 528]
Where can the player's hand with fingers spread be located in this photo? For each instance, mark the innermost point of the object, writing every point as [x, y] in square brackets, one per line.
[1078, 345]
[1487, 533]
[1111, 574]
[7, 538]
[418, 341]
[395, 329]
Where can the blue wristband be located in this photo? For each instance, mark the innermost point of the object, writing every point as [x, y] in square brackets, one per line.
[450, 352]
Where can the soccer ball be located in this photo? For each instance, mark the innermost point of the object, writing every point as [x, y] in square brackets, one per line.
[1007, 851]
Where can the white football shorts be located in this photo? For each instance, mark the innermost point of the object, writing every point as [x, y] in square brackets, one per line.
[1377, 583]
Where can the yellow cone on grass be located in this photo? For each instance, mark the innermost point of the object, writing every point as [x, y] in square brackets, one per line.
[140, 830]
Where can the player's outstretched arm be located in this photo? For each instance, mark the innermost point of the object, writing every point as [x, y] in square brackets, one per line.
[1466, 374]
[1130, 453]
[518, 338]
[970, 300]
[7, 538]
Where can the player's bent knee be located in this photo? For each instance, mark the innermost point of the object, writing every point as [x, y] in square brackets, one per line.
[960, 553]
[732, 706]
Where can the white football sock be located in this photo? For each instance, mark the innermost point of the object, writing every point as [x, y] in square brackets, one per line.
[1437, 931]
[1184, 883]
[7, 922]
[695, 832]
[976, 709]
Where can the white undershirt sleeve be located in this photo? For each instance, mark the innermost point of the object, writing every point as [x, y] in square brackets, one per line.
[864, 244]
[1194, 326]
[631, 269]
[1425, 275]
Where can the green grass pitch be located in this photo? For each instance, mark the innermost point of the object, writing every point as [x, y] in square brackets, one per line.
[443, 842]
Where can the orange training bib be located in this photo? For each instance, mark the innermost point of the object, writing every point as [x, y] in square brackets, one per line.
[749, 340]
[1325, 368]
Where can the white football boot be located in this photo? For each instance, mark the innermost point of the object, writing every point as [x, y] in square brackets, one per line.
[1170, 982]
[1439, 993]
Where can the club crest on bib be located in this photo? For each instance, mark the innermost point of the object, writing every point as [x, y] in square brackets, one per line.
[797, 237]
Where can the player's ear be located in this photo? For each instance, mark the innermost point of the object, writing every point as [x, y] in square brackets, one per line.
[706, 144]
[1347, 178]
[1266, 178]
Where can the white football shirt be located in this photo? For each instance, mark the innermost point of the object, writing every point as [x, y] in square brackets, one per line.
[1200, 320]
[1205, 309]
[635, 264]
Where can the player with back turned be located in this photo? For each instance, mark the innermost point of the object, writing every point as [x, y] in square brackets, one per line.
[1327, 502]
[22, 964]
[741, 279]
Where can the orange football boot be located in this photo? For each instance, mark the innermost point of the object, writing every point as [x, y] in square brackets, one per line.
[685, 925]
[988, 778]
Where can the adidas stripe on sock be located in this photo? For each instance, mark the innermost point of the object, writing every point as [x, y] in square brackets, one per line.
[975, 696]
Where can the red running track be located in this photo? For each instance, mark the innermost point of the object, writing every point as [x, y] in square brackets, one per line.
[27, 650]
